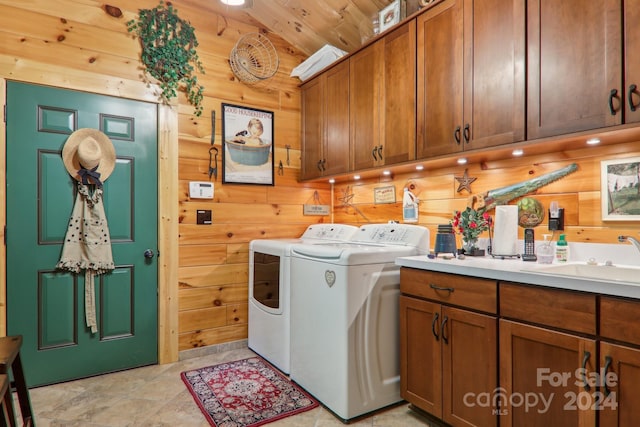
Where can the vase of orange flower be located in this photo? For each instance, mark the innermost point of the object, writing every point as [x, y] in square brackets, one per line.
[469, 224]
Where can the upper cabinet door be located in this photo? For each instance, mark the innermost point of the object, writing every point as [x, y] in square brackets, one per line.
[632, 60]
[574, 66]
[399, 118]
[494, 74]
[366, 101]
[439, 80]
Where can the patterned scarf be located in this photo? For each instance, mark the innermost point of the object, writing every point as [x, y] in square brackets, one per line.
[87, 245]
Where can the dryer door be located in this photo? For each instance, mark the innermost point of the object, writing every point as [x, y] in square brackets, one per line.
[265, 281]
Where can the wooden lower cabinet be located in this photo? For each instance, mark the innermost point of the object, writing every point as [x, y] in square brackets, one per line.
[542, 379]
[620, 367]
[448, 361]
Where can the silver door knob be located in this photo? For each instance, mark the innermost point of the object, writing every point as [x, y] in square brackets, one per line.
[148, 253]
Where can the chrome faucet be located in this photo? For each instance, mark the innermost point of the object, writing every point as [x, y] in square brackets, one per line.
[635, 242]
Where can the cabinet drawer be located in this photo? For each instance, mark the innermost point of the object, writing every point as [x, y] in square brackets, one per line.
[463, 291]
[558, 308]
[619, 319]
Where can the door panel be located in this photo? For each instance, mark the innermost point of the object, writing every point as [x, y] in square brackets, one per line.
[46, 305]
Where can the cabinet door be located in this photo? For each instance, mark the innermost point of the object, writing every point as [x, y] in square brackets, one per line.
[312, 128]
[365, 94]
[494, 74]
[469, 366]
[420, 358]
[621, 367]
[439, 79]
[399, 103]
[574, 62]
[325, 123]
[541, 365]
[632, 60]
[336, 126]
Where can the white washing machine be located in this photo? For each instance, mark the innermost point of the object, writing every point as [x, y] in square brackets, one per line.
[269, 289]
[345, 341]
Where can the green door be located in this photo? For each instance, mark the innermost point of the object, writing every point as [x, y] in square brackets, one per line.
[46, 305]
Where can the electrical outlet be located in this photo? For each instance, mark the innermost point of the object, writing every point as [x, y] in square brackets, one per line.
[556, 220]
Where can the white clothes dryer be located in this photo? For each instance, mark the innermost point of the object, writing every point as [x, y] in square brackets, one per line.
[345, 341]
[269, 290]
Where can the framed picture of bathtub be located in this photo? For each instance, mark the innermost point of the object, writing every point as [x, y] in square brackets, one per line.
[247, 145]
[620, 189]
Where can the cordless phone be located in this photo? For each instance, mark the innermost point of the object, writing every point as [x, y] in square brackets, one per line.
[529, 249]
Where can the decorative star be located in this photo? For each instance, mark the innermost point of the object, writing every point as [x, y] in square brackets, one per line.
[465, 182]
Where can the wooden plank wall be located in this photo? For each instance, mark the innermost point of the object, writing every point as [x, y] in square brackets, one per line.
[578, 193]
[74, 44]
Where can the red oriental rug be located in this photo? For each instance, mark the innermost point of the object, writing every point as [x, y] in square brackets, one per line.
[245, 393]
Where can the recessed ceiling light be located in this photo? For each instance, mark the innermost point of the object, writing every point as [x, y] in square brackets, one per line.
[386, 172]
[332, 181]
[517, 152]
[462, 161]
[593, 141]
[356, 176]
[232, 2]
[419, 167]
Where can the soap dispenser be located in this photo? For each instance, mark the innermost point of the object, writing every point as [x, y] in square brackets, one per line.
[409, 207]
[545, 251]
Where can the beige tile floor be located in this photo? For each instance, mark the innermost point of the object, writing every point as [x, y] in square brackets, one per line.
[156, 396]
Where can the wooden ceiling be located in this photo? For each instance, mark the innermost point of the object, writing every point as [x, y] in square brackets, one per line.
[309, 25]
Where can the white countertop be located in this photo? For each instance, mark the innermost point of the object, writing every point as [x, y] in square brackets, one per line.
[516, 270]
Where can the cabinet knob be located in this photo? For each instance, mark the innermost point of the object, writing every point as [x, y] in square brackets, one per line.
[612, 95]
[445, 339]
[585, 359]
[632, 90]
[433, 325]
[607, 364]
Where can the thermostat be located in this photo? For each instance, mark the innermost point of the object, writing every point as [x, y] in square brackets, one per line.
[200, 190]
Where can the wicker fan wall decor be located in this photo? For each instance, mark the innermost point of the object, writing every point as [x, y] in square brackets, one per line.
[254, 59]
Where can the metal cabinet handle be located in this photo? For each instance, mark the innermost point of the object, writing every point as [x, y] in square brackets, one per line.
[324, 164]
[320, 165]
[585, 359]
[444, 337]
[456, 135]
[632, 90]
[607, 364]
[467, 133]
[374, 153]
[440, 288]
[612, 95]
[433, 325]
[380, 151]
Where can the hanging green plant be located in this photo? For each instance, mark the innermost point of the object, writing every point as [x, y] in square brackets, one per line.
[169, 52]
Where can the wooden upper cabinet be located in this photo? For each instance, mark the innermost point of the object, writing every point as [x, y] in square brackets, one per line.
[471, 81]
[325, 123]
[632, 61]
[574, 66]
[382, 100]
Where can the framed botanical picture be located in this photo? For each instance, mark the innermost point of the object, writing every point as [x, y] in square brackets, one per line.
[620, 189]
[247, 145]
[390, 15]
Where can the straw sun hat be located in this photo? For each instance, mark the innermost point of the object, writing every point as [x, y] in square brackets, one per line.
[88, 149]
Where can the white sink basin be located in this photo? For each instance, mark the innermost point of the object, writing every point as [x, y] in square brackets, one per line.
[606, 273]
